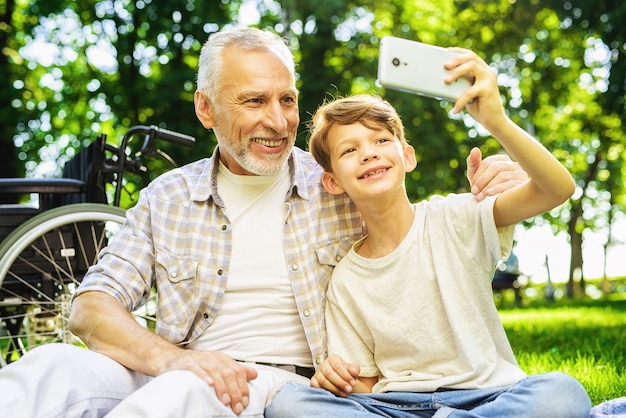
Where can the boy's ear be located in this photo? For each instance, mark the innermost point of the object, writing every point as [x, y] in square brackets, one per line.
[204, 109]
[410, 161]
[330, 184]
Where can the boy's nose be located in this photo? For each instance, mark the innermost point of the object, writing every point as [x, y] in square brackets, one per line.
[369, 154]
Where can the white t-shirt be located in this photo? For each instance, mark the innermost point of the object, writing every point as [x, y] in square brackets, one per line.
[258, 320]
[423, 317]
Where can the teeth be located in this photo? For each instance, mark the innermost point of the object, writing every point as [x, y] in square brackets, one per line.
[373, 172]
[267, 143]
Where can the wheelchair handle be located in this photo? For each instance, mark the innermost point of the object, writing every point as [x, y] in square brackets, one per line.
[174, 137]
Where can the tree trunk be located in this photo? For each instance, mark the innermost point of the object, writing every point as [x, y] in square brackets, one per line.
[576, 239]
[576, 252]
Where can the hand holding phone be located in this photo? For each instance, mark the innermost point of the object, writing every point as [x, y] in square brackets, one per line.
[417, 68]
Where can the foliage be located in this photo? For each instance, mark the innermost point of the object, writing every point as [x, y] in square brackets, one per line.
[107, 65]
[116, 63]
[12, 71]
[602, 166]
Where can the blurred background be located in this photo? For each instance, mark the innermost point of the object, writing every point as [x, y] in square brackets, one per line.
[71, 70]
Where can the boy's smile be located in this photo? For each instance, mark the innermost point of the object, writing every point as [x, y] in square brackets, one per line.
[366, 162]
[373, 173]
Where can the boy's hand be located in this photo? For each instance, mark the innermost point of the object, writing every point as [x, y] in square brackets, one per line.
[482, 98]
[493, 175]
[336, 376]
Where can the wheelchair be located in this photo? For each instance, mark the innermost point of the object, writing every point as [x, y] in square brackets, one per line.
[47, 247]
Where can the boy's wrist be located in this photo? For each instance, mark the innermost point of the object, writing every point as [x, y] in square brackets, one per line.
[499, 126]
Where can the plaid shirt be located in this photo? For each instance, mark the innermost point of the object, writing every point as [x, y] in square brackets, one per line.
[179, 238]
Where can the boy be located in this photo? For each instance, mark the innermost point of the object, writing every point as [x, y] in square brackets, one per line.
[410, 315]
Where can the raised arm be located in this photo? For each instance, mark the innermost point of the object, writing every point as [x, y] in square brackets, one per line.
[550, 184]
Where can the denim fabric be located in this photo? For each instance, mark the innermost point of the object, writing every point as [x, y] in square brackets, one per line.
[553, 395]
[614, 408]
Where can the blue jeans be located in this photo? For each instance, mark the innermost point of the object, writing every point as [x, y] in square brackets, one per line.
[550, 395]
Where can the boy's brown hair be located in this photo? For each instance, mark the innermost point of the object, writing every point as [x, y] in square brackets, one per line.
[369, 110]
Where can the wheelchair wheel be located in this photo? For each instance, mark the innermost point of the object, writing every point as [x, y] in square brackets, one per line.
[41, 264]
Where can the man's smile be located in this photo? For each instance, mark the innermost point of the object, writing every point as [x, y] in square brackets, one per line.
[268, 143]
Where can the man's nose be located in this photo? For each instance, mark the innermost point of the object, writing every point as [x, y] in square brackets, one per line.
[275, 117]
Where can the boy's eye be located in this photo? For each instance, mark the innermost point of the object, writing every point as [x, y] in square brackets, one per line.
[382, 140]
[348, 150]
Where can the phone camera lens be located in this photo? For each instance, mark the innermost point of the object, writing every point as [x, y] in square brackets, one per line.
[395, 62]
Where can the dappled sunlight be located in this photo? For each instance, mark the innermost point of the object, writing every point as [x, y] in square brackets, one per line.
[583, 339]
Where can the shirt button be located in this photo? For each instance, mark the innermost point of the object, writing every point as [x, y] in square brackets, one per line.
[224, 227]
[294, 267]
[338, 258]
[173, 274]
[205, 315]
[220, 272]
[306, 313]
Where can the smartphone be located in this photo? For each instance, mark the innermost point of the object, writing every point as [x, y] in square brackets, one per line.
[417, 68]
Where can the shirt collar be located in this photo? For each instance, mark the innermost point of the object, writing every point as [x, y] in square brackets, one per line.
[205, 185]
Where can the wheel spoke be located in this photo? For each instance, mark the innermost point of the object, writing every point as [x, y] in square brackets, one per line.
[42, 267]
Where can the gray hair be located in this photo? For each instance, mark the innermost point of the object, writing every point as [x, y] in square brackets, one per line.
[244, 38]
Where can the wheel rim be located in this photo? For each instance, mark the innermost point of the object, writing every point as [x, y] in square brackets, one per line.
[41, 265]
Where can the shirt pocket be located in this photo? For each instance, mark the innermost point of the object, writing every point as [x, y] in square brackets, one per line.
[329, 254]
[176, 281]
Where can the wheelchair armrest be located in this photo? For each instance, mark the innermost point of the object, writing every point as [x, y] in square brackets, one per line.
[41, 186]
[51, 192]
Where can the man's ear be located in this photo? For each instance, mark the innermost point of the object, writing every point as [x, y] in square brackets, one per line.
[410, 161]
[330, 184]
[204, 109]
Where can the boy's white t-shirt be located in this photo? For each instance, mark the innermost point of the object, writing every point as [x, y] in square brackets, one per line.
[423, 317]
[258, 320]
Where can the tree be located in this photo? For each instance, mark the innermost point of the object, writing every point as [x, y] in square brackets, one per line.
[110, 65]
[12, 22]
[601, 179]
[561, 67]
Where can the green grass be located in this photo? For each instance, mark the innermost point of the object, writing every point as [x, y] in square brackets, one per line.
[584, 339]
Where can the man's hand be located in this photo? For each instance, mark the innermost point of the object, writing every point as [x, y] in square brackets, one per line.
[228, 377]
[493, 175]
[336, 376]
[108, 328]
